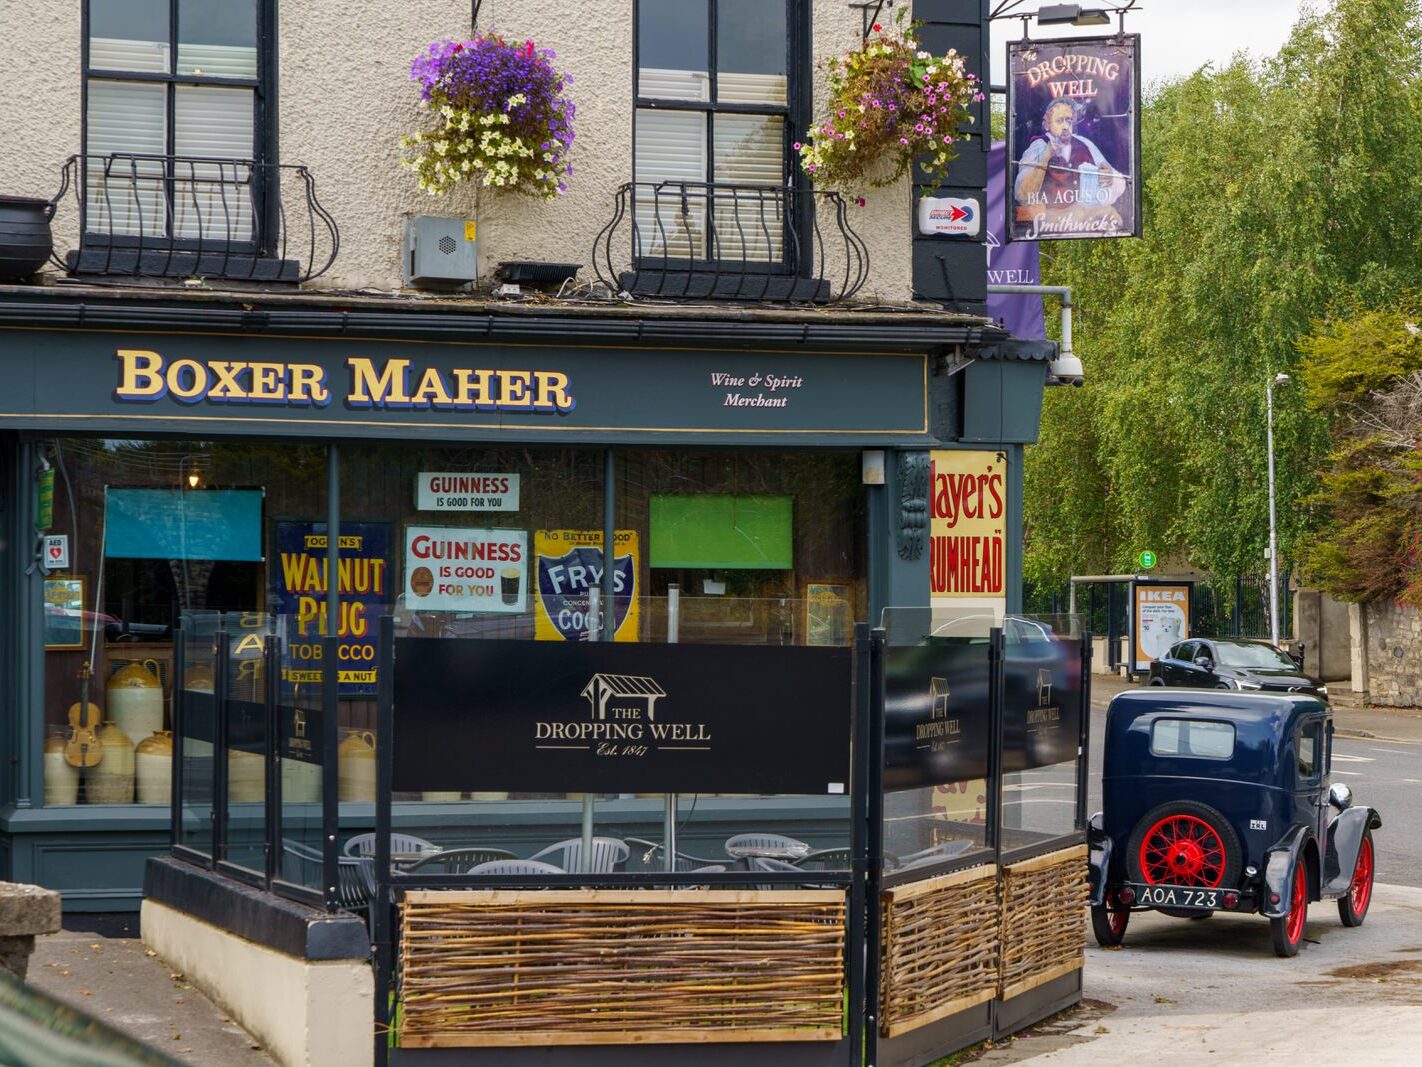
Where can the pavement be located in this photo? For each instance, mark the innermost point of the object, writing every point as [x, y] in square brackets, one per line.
[1183, 992]
[122, 983]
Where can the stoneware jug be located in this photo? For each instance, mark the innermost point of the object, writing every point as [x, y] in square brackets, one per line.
[153, 768]
[357, 766]
[111, 782]
[135, 697]
[61, 781]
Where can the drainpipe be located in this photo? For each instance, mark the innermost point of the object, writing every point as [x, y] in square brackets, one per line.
[1066, 369]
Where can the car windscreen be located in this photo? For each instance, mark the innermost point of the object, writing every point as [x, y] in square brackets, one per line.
[1261, 656]
[1192, 737]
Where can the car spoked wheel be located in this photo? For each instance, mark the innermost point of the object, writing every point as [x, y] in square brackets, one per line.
[1108, 921]
[1288, 929]
[1184, 843]
[1353, 905]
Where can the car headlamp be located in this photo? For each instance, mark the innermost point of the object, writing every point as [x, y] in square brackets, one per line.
[1249, 685]
[1323, 691]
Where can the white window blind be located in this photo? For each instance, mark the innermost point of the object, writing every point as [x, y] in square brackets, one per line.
[732, 88]
[749, 151]
[671, 146]
[125, 196]
[120, 53]
[659, 83]
[217, 60]
[212, 200]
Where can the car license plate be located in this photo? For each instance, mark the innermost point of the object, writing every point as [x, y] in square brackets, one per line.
[1177, 896]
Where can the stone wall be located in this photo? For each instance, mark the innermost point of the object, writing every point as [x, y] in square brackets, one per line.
[1393, 639]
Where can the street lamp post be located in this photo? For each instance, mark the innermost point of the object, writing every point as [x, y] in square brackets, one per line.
[1278, 379]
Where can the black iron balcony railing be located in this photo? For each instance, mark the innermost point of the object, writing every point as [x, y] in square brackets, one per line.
[188, 216]
[704, 241]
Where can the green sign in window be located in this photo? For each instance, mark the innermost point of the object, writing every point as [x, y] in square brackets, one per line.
[722, 530]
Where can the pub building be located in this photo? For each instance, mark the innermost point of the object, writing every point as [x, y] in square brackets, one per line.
[218, 359]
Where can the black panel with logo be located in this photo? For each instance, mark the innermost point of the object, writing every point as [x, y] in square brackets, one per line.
[937, 717]
[1041, 721]
[608, 717]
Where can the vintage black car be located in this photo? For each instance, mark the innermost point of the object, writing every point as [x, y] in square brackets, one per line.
[1233, 663]
[1220, 801]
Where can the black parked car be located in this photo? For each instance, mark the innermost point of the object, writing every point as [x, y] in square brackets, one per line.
[1233, 663]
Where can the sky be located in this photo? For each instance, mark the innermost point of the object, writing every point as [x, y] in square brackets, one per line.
[1177, 36]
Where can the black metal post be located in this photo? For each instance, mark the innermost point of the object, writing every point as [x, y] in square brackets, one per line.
[380, 919]
[874, 869]
[996, 701]
[331, 684]
[271, 666]
[180, 661]
[1083, 758]
[219, 743]
[860, 860]
[1238, 613]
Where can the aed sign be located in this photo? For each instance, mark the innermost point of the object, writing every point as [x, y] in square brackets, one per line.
[56, 552]
[454, 491]
[950, 216]
[1147, 560]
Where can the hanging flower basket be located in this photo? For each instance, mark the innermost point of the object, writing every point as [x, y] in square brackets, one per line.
[503, 119]
[889, 102]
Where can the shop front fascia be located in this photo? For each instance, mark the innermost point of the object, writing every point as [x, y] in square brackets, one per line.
[172, 383]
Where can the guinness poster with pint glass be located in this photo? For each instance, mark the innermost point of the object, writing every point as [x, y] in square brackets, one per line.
[1073, 138]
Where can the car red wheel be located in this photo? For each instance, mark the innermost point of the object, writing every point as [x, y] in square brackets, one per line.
[1184, 843]
[1288, 929]
[1353, 905]
[1108, 921]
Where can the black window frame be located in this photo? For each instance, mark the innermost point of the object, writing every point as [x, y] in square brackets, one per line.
[264, 132]
[796, 112]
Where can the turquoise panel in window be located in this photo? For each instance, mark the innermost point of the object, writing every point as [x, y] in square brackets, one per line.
[214, 524]
[721, 530]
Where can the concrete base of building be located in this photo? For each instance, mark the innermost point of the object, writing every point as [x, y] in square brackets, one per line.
[308, 1013]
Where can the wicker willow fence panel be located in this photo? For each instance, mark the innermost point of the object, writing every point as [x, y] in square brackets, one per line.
[1043, 920]
[546, 967]
[939, 948]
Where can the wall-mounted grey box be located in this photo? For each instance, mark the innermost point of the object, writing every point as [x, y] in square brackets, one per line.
[440, 253]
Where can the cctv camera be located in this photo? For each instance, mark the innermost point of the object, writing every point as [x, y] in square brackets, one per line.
[1066, 369]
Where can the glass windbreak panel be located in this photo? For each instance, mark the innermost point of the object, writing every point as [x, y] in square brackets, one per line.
[751, 38]
[246, 637]
[301, 749]
[217, 38]
[1042, 723]
[130, 35]
[937, 738]
[573, 731]
[673, 45]
[196, 683]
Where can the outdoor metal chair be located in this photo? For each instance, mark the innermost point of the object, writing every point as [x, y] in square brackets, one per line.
[515, 867]
[364, 844]
[456, 860]
[771, 846]
[608, 854]
[824, 859]
[355, 876]
[653, 858]
[924, 856]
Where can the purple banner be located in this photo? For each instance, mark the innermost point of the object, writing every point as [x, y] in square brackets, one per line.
[1071, 138]
[1010, 264]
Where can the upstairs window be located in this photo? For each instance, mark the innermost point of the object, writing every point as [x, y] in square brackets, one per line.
[173, 97]
[713, 116]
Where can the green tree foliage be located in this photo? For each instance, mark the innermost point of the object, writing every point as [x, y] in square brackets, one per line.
[1364, 371]
[1275, 193]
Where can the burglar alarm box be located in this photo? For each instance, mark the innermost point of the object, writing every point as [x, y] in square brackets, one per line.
[440, 253]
